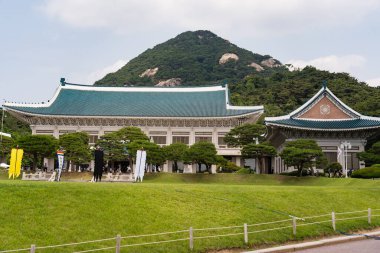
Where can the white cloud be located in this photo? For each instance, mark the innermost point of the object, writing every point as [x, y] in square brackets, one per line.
[100, 73]
[256, 17]
[333, 63]
[373, 82]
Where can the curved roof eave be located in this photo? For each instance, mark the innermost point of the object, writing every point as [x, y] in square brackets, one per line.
[132, 117]
[323, 129]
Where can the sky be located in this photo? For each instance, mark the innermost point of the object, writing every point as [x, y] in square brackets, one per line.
[82, 40]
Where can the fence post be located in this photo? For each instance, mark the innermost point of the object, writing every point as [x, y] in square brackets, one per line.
[118, 242]
[191, 238]
[245, 233]
[32, 248]
[333, 220]
[369, 215]
[294, 226]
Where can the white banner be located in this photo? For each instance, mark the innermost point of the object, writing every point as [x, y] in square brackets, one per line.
[60, 157]
[140, 165]
[340, 156]
[60, 161]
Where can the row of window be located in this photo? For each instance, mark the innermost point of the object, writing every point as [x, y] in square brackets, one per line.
[158, 139]
[161, 140]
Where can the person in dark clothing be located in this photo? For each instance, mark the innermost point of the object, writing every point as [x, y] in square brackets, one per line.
[99, 162]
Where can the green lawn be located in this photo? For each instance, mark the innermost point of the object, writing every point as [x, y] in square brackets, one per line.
[46, 213]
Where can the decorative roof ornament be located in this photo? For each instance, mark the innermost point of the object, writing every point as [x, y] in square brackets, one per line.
[324, 83]
[62, 81]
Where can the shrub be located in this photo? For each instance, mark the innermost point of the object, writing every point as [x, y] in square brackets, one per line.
[229, 168]
[245, 171]
[333, 169]
[295, 173]
[370, 172]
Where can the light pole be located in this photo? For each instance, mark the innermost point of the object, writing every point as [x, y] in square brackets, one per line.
[345, 146]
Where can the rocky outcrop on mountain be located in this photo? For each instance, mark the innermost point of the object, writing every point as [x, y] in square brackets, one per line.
[149, 72]
[228, 57]
[169, 82]
[270, 63]
[256, 66]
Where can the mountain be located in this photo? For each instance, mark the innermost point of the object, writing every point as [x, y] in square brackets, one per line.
[202, 58]
[191, 58]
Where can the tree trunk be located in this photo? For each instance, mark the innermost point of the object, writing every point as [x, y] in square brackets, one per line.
[300, 169]
[261, 164]
[199, 167]
[208, 167]
[175, 166]
[130, 163]
[35, 161]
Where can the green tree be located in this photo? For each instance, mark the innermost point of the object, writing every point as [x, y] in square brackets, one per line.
[5, 147]
[114, 148]
[221, 163]
[129, 134]
[244, 134]
[176, 152]
[76, 147]
[259, 152]
[333, 169]
[154, 153]
[372, 155]
[202, 153]
[301, 154]
[38, 146]
[115, 144]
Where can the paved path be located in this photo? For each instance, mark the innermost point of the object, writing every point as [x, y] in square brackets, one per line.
[364, 246]
[341, 244]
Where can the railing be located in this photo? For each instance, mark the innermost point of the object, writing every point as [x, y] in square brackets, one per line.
[246, 229]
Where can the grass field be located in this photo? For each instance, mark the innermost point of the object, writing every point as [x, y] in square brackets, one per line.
[46, 213]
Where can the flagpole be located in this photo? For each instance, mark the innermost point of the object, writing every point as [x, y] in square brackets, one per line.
[345, 145]
[346, 161]
[2, 132]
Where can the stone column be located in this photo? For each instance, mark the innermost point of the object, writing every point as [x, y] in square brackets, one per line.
[191, 137]
[92, 165]
[215, 138]
[238, 160]
[213, 169]
[165, 167]
[169, 137]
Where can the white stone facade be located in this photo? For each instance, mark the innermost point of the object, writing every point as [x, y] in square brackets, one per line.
[160, 135]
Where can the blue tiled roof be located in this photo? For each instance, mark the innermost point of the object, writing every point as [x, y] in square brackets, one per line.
[149, 103]
[359, 123]
[292, 120]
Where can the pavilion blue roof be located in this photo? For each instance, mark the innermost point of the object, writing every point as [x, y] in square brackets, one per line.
[354, 120]
[80, 100]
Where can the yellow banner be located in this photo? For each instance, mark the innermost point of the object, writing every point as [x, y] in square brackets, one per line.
[15, 163]
[12, 164]
[20, 153]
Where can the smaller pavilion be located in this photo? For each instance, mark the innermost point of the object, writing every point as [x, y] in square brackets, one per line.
[326, 119]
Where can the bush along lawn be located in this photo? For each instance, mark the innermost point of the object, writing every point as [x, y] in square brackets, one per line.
[370, 172]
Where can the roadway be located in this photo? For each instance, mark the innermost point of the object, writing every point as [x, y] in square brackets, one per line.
[363, 246]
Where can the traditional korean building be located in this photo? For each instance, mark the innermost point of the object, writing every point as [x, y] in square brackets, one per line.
[326, 119]
[167, 115]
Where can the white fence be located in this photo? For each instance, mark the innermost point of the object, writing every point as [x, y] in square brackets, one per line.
[189, 234]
